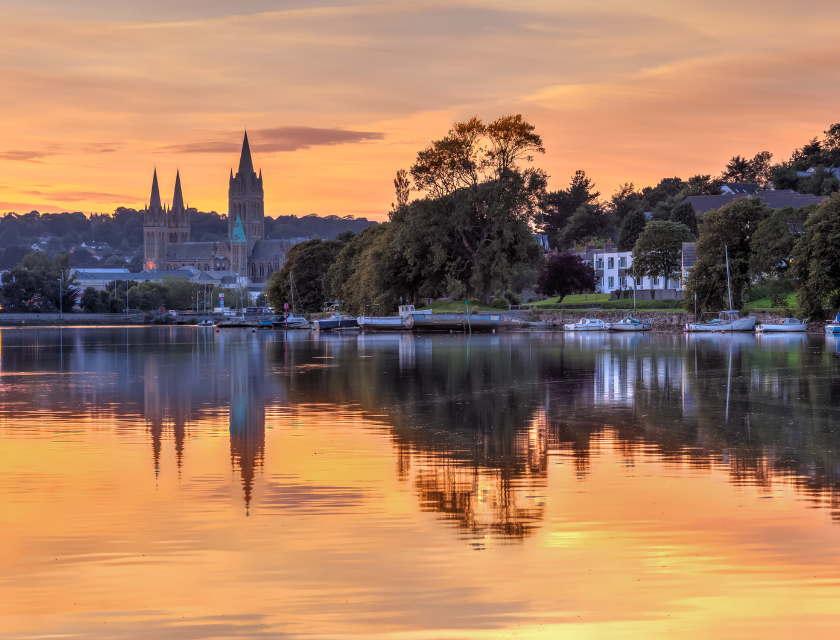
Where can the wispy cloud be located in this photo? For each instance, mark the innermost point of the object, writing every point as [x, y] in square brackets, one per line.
[276, 139]
[20, 155]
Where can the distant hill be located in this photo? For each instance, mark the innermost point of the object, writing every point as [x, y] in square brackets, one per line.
[122, 232]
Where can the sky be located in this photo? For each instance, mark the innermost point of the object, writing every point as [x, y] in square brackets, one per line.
[338, 95]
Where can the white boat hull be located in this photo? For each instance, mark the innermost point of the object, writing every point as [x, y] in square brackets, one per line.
[743, 324]
[781, 328]
[832, 329]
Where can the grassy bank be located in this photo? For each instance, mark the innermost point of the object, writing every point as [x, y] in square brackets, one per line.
[457, 306]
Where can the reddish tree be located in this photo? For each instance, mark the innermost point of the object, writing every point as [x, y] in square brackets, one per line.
[566, 273]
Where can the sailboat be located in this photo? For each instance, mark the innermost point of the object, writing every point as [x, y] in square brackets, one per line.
[728, 320]
[290, 320]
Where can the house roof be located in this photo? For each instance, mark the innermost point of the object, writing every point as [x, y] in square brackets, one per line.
[190, 251]
[270, 249]
[774, 199]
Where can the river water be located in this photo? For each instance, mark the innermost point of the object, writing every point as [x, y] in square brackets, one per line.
[181, 483]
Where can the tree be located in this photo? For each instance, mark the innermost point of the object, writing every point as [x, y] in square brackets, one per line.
[704, 185]
[90, 300]
[624, 201]
[148, 296]
[589, 221]
[685, 213]
[816, 260]
[562, 205]
[732, 225]
[309, 263]
[772, 246]
[475, 222]
[566, 273]
[33, 285]
[631, 228]
[370, 270]
[757, 170]
[658, 251]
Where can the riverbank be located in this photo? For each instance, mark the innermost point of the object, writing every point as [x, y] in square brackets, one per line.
[70, 319]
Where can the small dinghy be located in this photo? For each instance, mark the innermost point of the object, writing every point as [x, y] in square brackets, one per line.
[788, 325]
[587, 324]
[629, 324]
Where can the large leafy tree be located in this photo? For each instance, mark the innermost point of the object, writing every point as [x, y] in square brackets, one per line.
[658, 251]
[475, 221]
[772, 247]
[755, 170]
[732, 226]
[370, 273]
[563, 204]
[631, 229]
[309, 263]
[624, 201]
[589, 221]
[566, 273]
[33, 285]
[816, 260]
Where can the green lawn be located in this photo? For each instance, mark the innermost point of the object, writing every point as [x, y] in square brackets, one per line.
[576, 299]
[764, 303]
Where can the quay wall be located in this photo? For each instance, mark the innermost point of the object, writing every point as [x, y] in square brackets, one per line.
[666, 321]
[70, 319]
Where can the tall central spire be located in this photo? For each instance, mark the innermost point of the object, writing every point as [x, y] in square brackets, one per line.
[154, 201]
[246, 165]
[178, 198]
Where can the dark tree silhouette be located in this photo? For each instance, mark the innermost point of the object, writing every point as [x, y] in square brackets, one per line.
[566, 273]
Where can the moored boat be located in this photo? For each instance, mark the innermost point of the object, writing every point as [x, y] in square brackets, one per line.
[788, 325]
[586, 324]
[335, 322]
[833, 328]
[290, 321]
[726, 321]
[629, 324]
[381, 323]
[206, 323]
[436, 321]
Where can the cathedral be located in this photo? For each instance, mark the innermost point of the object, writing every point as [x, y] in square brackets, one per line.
[246, 252]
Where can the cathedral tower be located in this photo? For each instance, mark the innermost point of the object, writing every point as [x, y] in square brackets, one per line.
[155, 230]
[178, 220]
[245, 199]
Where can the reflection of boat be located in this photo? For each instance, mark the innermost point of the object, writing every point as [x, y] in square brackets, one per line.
[629, 324]
[782, 339]
[788, 325]
[587, 324]
[833, 327]
[726, 321]
[335, 322]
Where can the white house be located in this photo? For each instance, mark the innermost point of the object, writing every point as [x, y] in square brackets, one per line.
[614, 270]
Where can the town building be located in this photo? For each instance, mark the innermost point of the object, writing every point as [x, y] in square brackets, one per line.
[614, 274]
[246, 251]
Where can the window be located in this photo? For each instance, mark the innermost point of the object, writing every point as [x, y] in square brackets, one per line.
[611, 263]
[654, 282]
[611, 282]
[622, 282]
[622, 263]
[599, 263]
[601, 282]
[638, 282]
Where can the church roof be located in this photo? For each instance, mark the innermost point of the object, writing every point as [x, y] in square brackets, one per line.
[238, 232]
[178, 198]
[189, 251]
[154, 201]
[246, 165]
[270, 249]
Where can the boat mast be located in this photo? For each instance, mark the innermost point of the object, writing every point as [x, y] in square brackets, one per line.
[292, 291]
[728, 285]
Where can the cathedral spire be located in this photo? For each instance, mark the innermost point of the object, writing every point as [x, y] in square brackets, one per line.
[154, 202]
[246, 166]
[178, 198]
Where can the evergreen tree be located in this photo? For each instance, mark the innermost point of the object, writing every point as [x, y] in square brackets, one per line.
[685, 213]
[631, 228]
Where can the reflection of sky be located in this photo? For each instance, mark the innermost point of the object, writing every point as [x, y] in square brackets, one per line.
[378, 510]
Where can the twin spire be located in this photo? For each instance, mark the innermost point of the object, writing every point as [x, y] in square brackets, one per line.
[177, 199]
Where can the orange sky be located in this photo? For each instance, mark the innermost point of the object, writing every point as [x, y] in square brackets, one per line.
[338, 95]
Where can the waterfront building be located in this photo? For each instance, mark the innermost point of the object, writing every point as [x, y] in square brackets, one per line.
[614, 273]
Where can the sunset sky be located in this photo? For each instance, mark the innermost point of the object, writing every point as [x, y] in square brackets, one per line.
[337, 95]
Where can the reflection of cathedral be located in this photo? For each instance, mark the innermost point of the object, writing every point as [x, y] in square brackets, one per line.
[166, 230]
[174, 397]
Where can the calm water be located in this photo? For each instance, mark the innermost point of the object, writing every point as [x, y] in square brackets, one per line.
[182, 483]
